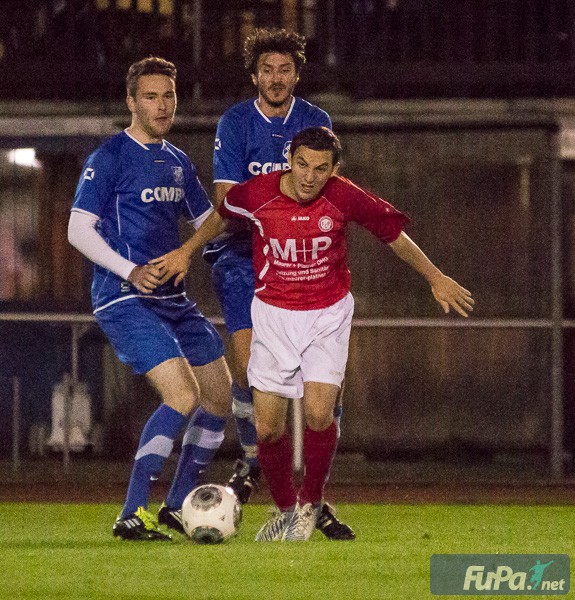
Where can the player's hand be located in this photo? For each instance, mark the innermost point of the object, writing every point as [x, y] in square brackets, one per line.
[145, 278]
[173, 264]
[450, 294]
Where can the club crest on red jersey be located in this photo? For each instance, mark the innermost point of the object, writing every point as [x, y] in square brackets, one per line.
[325, 224]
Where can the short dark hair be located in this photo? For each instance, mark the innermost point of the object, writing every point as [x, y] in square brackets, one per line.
[152, 65]
[317, 138]
[264, 40]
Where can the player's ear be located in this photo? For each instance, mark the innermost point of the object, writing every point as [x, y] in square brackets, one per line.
[254, 79]
[336, 168]
[130, 103]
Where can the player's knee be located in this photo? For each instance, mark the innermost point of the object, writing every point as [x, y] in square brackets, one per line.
[268, 433]
[183, 404]
[239, 369]
[219, 405]
[241, 379]
[319, 422]
[238, 361]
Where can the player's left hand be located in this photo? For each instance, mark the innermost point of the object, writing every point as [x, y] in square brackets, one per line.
[173, 264]
[450, 294]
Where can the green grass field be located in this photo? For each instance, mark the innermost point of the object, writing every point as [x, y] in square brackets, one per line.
[66, 551]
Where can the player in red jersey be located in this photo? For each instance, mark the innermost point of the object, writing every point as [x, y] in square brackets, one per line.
[303, 308]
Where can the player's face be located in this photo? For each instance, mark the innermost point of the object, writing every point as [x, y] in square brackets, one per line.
[310, 170]
[275, 78]
[153, 108]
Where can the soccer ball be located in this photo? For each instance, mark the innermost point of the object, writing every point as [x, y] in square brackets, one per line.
[211, 514]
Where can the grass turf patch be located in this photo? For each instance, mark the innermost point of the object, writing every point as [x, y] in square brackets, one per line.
[66, 551]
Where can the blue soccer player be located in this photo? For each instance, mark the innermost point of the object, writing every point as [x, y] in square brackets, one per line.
[253, 138]
[132, 192]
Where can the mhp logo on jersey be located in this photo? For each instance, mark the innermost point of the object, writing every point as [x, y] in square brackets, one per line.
[162, 194]
[500, 574]
[299, 250]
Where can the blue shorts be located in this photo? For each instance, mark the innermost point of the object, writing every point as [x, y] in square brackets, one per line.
[145, 333]
[234, 283]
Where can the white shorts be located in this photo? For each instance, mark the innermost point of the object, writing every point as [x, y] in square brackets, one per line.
[293, 346]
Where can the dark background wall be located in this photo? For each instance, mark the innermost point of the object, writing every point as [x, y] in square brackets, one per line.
[478, 178]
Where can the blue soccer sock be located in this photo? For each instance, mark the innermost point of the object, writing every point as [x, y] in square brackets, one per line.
[337, 410]
[156, 443]
[203, 437]
[243, 410]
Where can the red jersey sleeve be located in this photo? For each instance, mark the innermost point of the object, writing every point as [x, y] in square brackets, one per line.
[236, 203]
[372, 212]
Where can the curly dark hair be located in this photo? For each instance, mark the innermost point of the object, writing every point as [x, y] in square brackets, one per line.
[265, 40]
[152, 65]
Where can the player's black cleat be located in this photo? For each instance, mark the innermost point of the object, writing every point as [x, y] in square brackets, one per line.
[139, 526]
[331, 527]
[171, 517]
[244, 480]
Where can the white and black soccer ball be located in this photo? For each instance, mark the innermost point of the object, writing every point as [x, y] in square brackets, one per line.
[211, 514]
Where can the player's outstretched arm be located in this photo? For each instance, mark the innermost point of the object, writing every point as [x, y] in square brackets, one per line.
[177, 262]
[445, 290]
[449, 293]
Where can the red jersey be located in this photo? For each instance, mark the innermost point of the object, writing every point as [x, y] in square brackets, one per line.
[299, 250]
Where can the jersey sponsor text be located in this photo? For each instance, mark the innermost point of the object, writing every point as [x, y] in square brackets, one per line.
[293, 248]
[257, 168]
[162, 194]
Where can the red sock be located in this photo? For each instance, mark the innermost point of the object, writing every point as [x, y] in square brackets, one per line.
[276, 461]
[318, 451]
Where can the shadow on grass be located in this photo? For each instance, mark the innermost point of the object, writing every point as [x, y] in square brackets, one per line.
[84, 545]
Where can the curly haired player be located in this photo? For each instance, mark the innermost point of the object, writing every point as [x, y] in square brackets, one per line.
[253, 137]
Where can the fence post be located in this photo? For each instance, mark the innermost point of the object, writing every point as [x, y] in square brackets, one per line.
[15, 424]
[297, 432]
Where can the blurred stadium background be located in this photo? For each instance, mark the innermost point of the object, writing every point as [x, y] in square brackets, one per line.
[461, 112]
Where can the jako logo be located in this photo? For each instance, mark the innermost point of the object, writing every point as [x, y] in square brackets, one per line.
[477, 579]
[256, 168]
[290, 251]
[162, 194]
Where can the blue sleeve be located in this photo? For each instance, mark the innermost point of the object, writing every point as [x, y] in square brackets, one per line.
[322, 119]
[229, 149]
[97, 183]
[196, 201]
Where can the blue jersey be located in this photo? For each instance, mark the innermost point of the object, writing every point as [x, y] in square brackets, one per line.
[248, 143]
[139, 192]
